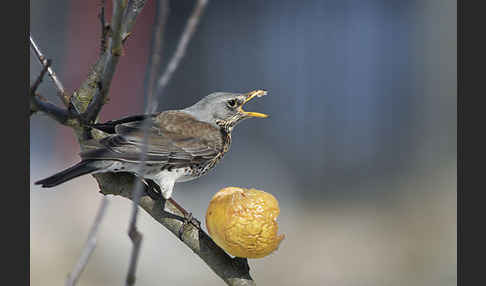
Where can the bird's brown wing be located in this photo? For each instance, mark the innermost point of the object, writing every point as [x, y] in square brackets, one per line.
[174, 138]
[109, 126]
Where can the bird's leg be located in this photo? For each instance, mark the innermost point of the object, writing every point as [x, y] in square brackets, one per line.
[155, 193]
[188, 218]
[187, 215]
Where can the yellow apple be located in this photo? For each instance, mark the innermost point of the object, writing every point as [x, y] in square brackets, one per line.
[244, 222]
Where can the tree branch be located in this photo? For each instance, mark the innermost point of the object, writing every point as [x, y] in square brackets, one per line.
[114, 51]
[234, 271]
[104, 27]
[135, 7]
[103, 70]
[43, 61]
[37, 82]
[62, 116]
[133, 233]
[89, 246]
[38, 103]
[151, 105]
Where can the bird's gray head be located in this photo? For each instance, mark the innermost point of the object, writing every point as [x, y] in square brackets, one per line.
[225, 109]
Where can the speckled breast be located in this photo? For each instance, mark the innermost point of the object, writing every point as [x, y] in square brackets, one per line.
[203, 169]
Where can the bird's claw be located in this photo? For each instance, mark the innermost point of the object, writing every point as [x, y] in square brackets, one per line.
[188, 219]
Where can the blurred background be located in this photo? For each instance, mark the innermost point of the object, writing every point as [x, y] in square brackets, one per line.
[359, 148]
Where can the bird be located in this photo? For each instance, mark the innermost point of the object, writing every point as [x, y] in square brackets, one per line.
[182, 145]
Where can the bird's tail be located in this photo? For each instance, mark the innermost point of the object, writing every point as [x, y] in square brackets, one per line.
[81, 168]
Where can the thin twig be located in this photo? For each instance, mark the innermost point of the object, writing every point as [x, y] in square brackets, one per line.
[115, 49]
[135, 7]
[37, 103]
[104, 28]
[89, 246]
[162, 12]
[119, 7]
[37, 82]
[133, 233]
[151, 105]
[103, 71]
[43, 61]
[182, 45]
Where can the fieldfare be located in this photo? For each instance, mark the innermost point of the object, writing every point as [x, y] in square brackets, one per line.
[182, 144]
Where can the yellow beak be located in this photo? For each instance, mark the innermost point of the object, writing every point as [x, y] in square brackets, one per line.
[250, 96]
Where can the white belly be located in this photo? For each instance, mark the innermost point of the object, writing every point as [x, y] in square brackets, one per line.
[164, 178]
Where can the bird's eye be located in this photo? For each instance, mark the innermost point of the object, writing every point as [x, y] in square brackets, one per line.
[231, 103]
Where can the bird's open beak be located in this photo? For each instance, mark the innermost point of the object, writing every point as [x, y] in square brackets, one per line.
[250, 96]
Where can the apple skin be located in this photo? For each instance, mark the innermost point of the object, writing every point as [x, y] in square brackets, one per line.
[244, 222]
